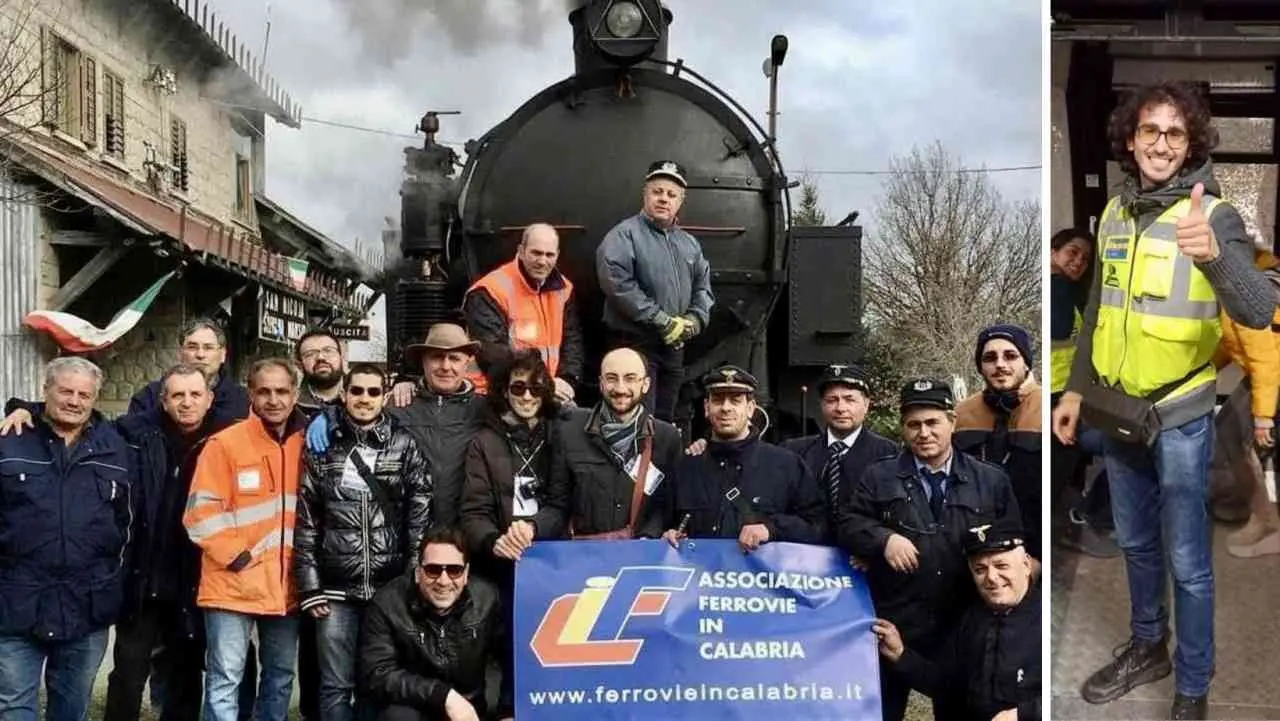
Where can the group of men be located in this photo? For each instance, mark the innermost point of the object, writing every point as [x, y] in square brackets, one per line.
[219, 529]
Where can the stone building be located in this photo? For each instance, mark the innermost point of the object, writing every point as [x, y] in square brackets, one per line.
[133, 137]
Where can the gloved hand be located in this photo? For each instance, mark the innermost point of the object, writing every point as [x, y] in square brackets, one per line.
[692, 327]
[318, 434]
[674, 331]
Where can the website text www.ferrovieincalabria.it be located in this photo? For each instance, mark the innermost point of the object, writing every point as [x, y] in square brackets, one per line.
[699, 693]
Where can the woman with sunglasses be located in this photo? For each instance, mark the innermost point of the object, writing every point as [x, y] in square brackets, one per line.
[514, 493]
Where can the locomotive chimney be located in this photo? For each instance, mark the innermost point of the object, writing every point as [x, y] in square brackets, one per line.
[606, 51]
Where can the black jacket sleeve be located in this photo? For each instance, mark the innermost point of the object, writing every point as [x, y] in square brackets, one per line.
[501, 641]
[486, 324]
[936, 676]
[417, 479]
[805, 519]
[306, 537]
[550, 520]
[381, 675]
[147, 398]
[858, 531]
[572, 354]
[479, 513]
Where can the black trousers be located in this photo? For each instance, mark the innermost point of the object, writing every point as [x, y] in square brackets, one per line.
[665, 366]
[154, 636]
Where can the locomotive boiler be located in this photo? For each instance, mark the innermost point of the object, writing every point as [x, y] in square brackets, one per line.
[788, 299]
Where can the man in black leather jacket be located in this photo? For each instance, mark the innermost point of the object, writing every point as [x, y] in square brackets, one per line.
[992, 656]
[428, 638]
[363, 507]
[907, 521]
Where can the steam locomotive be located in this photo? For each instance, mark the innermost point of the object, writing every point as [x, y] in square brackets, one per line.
[788, 299]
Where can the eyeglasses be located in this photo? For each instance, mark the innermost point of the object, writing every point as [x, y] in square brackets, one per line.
[328, 352]
[371, 391]
[1150, 135]
[454, 570]
[1009, 356]
[630, 379]
[519, 388]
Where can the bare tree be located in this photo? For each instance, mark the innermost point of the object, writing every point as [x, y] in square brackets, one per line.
[949, 257]
[29, 77]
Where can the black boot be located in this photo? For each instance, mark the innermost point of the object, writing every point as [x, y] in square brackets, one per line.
[1190, 707]
[1137, 663]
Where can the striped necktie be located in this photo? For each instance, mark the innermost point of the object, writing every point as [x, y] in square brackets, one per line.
[831, 471]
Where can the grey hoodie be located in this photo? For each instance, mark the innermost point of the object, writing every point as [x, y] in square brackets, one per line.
[1242, 291]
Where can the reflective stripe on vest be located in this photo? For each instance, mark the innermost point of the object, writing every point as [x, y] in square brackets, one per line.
[1061, 354]
[534, 319]
[1158, 315]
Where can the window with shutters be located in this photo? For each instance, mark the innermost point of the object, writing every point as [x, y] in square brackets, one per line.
[244, 177]
[113, 115]
[68, 87]
[178, 154]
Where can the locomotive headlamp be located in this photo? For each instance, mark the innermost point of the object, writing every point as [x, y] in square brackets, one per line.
[623, 32]
[624, 19]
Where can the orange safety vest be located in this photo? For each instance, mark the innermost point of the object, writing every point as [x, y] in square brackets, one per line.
[534, 319]
[244, 497]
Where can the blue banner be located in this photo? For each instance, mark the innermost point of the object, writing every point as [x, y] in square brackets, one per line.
[641, 630]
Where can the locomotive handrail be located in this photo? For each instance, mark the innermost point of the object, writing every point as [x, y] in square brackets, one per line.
[767, 142]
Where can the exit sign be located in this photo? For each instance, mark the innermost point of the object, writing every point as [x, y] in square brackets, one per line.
[350, 332]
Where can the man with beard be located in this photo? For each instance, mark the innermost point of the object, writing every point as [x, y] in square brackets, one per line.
[656, 284]
[527, 303]
[992, 657]
[320, 356]
[1001, 424]
[65, 499]
[442, 411]
[741, 487]
[241, 513]
[617, 454]
[362, 510]
[1173, 256]
[204, 345]
[906, 523]
[838, 457]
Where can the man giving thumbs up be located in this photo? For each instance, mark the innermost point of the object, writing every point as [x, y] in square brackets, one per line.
[1195, 235]
[1172, 255]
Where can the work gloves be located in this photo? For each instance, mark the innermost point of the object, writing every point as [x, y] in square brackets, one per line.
[680, 329]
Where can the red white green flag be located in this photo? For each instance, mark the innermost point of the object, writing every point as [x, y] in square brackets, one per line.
[298, 272]
[77, 335]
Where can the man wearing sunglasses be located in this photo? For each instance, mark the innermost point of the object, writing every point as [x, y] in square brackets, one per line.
[363, 507]
[1001, 423]
[429, 637]
[838, 456]
[906, 523]
[1172, 256]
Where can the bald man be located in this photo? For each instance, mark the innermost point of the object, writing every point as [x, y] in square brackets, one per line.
[527, 303]
[617, 454]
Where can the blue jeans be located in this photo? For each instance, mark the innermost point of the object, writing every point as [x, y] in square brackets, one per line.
[68, 677]
[227, 635]
[337, 636]
[1160, 500]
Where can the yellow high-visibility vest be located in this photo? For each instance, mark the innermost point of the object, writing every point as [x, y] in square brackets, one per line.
[1061, 354]
[1158, 315]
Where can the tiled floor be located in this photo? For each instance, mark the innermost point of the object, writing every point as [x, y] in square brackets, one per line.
[1090, 617]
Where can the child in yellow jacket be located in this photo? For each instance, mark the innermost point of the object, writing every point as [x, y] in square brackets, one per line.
[1257, 352]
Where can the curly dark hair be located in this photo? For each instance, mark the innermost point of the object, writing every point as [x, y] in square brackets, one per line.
[1191, 104]
[526, 361]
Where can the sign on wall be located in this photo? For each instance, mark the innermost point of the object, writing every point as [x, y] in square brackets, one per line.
[281, 318]
[638, 629]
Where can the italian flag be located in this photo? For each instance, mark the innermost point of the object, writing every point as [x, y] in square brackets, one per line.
[77, 335]
[298, 272]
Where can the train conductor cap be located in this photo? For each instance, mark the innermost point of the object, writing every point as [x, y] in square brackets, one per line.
[1005, 534]
[927, 393]
[729, 378]
[845, 375]
[667, 169]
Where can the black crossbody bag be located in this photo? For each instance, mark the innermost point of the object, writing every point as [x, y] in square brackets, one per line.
[1124, 417]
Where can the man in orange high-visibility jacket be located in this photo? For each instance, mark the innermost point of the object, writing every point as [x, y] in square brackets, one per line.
[527, 303]
[240, 512]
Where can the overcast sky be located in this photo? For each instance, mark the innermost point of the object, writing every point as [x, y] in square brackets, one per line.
[862, 81]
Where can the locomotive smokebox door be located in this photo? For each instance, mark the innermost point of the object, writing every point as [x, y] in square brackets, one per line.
[824, 270]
